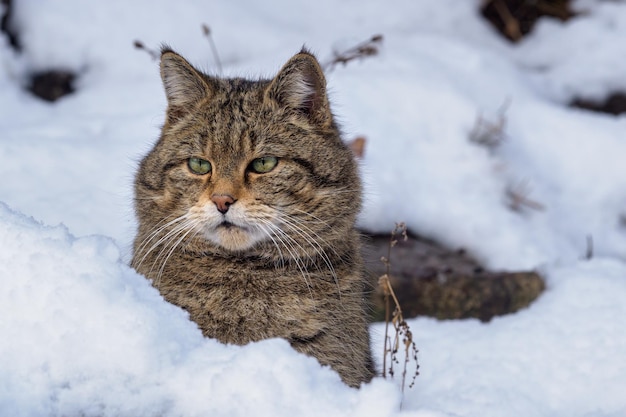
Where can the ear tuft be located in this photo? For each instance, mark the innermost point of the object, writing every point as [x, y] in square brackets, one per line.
[300, 86]
[184, 85]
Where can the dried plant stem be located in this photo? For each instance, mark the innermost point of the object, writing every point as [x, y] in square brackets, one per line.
[518, 197]
[511, 24]
[489, 133]
[206, 30]
[386, 346]
[359, 51]
[153, 54]
[401, 327]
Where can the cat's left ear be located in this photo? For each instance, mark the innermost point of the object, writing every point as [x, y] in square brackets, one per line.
[301, 87]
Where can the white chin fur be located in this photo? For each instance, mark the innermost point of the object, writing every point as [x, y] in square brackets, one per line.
[239, 235]
[233, 238]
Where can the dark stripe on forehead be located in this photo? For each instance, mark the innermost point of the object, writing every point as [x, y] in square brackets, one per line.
[252, 138]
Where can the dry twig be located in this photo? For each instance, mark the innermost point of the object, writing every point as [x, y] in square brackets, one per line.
[403, 337]
[518, 199]
[206, 31]
[153, 54]
[362, 50]
[490, 134]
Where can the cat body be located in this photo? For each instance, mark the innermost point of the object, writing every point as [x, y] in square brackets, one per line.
[246, 208]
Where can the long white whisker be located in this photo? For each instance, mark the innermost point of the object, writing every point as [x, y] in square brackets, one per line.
[312, 238]
[263, 227]
[317, 219]
[155, 231]
[174, 246]
[161, 238]
[291, 249]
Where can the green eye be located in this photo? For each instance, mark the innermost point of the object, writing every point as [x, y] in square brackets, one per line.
[199, 166]
[263, 165]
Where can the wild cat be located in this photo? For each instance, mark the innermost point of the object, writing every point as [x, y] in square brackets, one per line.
[246, 208]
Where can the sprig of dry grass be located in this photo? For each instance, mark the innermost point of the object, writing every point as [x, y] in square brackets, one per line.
[518, 198]
[362, 50]
[511, 24]
[490, 133]
[206, 31]
[153, 53]
[402, 337]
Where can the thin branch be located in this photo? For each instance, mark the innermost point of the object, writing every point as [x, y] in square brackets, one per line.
[153, 54]
[206, 30]
[362, 50]
[518, 197]
[511, 25]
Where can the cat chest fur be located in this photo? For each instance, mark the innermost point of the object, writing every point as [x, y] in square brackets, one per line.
[241, 304]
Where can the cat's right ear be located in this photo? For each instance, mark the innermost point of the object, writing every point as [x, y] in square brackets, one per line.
[184, 85]
[301, 87]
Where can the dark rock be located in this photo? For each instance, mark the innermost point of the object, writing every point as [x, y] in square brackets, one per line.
[614, 104]
[430, 280]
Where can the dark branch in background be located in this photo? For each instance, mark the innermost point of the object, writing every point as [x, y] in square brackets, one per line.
[362, 50]
[47, 84]
[511, 24]
[516, 18]
[5, 25]
[153, 53]
[207, 33]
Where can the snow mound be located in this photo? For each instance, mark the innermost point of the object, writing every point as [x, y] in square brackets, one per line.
[83, 334]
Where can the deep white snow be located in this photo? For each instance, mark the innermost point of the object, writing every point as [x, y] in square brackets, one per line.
[81, 334]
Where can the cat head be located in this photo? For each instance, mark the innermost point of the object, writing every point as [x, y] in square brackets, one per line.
[247, 165]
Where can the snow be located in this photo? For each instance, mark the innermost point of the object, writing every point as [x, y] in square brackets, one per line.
[82, 334]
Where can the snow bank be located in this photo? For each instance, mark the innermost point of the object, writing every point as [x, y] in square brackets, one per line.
[82, 334]
[563, 356]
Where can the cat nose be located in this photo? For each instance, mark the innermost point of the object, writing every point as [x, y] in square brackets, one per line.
[223, 202]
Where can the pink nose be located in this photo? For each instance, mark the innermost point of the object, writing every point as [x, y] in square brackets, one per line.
[222, 202]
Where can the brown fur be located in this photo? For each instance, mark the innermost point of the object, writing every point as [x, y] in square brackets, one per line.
[286, 264]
